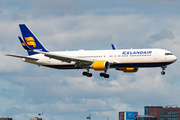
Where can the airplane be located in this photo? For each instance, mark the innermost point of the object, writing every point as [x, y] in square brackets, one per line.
[126, 60]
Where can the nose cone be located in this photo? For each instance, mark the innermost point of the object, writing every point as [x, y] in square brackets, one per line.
[174, 58]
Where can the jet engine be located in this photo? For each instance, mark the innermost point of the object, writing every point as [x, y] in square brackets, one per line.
[128, 70]
[100, 65]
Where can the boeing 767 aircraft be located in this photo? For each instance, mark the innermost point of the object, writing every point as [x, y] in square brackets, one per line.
[126, 60]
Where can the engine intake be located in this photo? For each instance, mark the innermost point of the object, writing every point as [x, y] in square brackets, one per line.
[100, 65]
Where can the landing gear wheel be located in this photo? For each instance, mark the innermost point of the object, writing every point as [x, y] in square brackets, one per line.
[104, 75]
[84, 73]
[162, 73]
[87, 74]
[163, 68]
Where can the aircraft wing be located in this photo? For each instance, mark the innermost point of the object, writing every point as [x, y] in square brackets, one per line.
[78, 61]
[113, 47]
[64, 58]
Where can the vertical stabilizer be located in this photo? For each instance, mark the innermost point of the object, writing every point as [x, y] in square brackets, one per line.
[31, 41]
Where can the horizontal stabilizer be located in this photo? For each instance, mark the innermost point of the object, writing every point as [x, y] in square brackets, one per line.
[30, 58]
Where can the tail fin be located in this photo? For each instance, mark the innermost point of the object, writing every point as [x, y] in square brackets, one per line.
[23, 44]
[31, 41]
[26, 47]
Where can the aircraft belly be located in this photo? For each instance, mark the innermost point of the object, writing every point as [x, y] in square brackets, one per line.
[70, 66]
[134, 65]
[122, 65]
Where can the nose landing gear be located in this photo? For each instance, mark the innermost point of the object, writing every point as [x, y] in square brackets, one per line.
[163, 68]
[162, 73]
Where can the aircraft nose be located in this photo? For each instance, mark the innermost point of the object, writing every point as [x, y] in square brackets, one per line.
[174, 58]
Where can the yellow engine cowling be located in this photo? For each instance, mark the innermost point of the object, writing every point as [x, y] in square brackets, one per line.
[100, 65]
[129, 70]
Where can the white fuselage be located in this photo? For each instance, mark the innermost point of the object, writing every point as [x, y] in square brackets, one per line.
[118, 58]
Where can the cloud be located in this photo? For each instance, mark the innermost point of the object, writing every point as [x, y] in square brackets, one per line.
[10, 65]
[82, 94]
[164, 34]
[60, 8]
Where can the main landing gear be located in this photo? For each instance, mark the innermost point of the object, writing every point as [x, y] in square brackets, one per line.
[90, 74]
[104, 75]
[163, 68]
[87, 74]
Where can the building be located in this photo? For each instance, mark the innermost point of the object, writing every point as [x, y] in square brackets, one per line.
[36, 118]
[162, 113]
[5, 118]
[143, 117]
[128, 115]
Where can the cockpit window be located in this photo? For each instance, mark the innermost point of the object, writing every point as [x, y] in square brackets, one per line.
[168, 54]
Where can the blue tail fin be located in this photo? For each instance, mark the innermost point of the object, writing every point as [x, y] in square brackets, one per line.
[26, 48]
[31, 41]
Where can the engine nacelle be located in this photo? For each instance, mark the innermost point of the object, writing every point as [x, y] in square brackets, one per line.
[100, 65]
[128, 70]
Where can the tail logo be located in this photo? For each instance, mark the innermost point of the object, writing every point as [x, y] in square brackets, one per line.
[30, 41]
[23, 44]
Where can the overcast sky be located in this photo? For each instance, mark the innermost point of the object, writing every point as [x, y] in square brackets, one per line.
[26, 89]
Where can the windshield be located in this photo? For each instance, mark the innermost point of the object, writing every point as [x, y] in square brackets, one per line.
[168, 54]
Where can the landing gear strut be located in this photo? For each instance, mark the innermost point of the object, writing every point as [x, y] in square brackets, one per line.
[163, 68]
[104, 75]
[87, 74]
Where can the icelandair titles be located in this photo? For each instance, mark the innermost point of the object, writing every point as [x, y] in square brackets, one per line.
[136, 52]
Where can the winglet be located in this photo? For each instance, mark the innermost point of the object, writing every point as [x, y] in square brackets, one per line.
[113, 47]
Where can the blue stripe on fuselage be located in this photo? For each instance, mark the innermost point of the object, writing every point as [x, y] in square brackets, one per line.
[124, 65]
